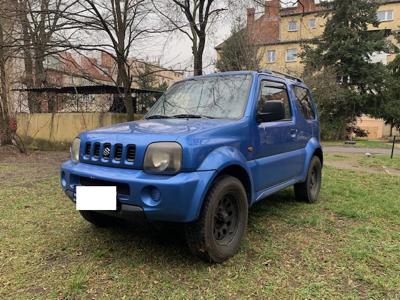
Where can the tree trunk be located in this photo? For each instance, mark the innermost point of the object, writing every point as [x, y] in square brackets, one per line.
[126, 81]
[128, 100]
[28, 61]
[5, 133]
[40, 79]
[198, 51]
[391, 130]
[198, 65]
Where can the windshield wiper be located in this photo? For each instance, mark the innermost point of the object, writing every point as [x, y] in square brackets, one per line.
[191, 116]
[158, 117]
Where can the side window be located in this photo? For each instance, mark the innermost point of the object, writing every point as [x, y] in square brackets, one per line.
[304, 102]
[276, 93]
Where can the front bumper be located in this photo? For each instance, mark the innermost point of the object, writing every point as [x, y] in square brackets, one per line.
[175, 198]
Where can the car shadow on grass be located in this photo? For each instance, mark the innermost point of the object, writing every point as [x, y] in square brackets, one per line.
[144, 242]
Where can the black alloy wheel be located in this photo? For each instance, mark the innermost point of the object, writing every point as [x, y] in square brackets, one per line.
[217, 234]
[226, 219]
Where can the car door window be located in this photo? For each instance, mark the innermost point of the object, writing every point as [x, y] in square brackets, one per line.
[274, 91]
[304, 102]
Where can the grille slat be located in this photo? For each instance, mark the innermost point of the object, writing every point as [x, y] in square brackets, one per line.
[118, 152]
[131, 153]
[87, 149]
[96, 151]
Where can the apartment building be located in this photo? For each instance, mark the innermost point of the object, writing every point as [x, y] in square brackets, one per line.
[281, 31]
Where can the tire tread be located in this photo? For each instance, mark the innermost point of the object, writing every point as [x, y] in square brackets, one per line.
[195, 231]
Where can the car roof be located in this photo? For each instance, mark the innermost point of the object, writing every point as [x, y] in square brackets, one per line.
[286, 77]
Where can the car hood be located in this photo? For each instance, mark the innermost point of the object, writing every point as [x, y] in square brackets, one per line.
[190, 133]
[170, 129]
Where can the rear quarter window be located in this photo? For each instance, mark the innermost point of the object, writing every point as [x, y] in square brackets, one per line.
[304, 102]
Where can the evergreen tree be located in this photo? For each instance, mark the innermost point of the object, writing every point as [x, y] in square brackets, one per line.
[389, 106]
[346, 47]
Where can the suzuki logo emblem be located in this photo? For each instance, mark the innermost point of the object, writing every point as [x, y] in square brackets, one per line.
[107, 151]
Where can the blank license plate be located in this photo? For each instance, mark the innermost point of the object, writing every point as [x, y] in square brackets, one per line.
[96, 198]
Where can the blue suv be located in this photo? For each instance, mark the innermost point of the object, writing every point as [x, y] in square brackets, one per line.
[208, 149]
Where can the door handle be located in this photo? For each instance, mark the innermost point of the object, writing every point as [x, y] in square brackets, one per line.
[293, 132]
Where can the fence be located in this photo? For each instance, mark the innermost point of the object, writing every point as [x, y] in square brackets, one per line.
[63, 127]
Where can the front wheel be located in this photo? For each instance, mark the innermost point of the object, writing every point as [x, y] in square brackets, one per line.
[217, 234]
[308, 191]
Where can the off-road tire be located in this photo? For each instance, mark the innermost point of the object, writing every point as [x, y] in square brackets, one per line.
[98, 219]
[217, 234]
[308, 191]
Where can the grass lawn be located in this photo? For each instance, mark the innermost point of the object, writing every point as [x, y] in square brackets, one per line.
[347, 246]
[381, 160]
[360, 144]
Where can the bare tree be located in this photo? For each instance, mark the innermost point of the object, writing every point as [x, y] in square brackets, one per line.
[43, 25]
[118, 24]
[193, 18]
[6, 29]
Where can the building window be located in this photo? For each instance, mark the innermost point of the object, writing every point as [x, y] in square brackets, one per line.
[292, 26]
[271, 56]
[291, 54]
[385, 15]
[312, 23]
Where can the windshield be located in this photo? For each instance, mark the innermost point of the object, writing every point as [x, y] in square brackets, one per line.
[221, 97]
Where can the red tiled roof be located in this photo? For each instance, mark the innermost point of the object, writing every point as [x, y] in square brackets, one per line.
[88, 68]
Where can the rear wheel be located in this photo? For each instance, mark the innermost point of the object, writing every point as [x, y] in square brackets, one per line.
[97, 219]
[217, 234]
[308, 191]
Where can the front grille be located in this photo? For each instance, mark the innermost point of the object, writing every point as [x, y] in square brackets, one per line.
[108, 153]
[131, 153]
[96, 151]
[122, 188]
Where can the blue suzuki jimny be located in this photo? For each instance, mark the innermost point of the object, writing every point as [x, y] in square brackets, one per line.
[209, 148]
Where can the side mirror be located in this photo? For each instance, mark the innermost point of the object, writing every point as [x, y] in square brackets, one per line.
[272, 111]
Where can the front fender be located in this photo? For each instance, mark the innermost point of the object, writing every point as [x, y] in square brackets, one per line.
[312, 146]
[220, 159]
[223, 157]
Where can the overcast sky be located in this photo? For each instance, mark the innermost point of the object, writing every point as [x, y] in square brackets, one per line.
[174, 50]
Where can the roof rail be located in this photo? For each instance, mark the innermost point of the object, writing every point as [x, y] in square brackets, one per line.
[280, 74]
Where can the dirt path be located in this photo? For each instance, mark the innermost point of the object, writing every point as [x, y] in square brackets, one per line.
[344, 149]
[346, 157]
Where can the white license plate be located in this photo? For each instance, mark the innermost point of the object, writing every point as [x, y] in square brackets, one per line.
[96, 198]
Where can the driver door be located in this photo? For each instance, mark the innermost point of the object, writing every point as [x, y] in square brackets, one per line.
[278, 151]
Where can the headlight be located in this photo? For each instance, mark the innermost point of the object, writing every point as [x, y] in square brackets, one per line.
[76, 144]
[164, 157]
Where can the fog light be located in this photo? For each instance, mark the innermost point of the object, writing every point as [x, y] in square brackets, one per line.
[155, 194]
[151, 196]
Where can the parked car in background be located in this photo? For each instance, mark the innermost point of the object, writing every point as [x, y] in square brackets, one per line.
[209, 148]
